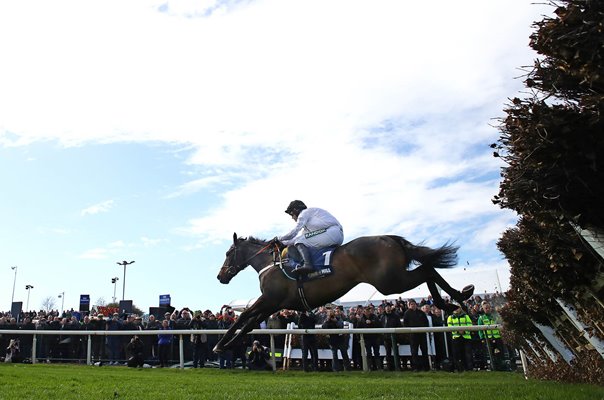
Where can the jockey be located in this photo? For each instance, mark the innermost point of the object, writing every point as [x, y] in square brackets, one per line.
[315, 228]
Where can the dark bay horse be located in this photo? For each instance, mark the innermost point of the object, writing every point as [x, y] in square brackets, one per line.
[382, 261]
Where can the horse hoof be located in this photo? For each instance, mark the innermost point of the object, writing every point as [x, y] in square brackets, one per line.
[467, 292]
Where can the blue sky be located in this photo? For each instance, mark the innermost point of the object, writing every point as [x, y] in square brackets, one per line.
[152, 130]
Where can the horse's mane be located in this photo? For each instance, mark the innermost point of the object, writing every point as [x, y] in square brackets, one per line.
[256, 240]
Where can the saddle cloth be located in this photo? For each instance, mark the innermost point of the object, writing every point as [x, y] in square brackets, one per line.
[321, 259]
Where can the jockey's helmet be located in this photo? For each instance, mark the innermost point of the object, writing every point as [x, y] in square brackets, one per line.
[295, 206]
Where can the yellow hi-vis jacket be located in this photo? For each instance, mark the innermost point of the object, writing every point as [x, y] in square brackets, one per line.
[488, 319]
[460, 320]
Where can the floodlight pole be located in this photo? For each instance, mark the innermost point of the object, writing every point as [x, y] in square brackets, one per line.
[12, 300]
[28, 288]
[114, 281]
[62, 297]
[124, 263]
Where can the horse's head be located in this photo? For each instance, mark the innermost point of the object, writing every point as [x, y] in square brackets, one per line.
[234, 262]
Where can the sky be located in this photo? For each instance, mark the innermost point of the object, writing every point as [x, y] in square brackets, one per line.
[153, 130]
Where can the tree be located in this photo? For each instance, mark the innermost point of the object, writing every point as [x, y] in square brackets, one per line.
[553, 145]
[101, 301]
[48, 303]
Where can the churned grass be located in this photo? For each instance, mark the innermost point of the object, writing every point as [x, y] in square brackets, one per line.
[40, 382]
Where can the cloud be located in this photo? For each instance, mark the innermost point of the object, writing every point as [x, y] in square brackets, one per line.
[54, 231]
[112, 249]
[378, 112]
[102, 207]
[95, 254]
[196, 185]
[259, 75]
[148, 242]
[117, 244]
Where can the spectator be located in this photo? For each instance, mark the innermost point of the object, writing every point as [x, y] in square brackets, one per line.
[134, 350]
[258, 359]
[308, 320]
[150, 341]
[26, 341]
[478, 348]
[211, 323]
[461, 341]
[426, 309]
[337, 342]
[492, 338]
[98, 342]
[353, 318]
[439, 337]
[13, 352]
[85, 325]
[415, 318]
[164, 342]
[225, 358]
[114, 341]
[199, 341]
[372, 341]
[390, 319]
[279, 320]
[184, 319]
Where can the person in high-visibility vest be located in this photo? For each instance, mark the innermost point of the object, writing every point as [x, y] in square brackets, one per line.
[491, 338]
[461, 341]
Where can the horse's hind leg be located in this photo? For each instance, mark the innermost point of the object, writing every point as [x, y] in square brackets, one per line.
[438, 300]
[434, 276]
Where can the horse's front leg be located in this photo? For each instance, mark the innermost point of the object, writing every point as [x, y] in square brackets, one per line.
[249, 325]
[219, 348]
[256, 309]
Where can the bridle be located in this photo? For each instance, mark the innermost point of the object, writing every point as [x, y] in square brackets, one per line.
[233, 270]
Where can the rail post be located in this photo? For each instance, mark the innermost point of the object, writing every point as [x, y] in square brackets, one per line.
[181, 351]
[273, 357]
[34, 344]
[89, 350]
[364, 353]
[394, 349]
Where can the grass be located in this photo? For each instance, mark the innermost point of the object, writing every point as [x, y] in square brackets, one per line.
[41, 382]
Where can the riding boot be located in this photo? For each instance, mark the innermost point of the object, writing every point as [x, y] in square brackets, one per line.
[306, 266]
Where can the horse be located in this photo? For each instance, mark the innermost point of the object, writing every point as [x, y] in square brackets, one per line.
[382, 261]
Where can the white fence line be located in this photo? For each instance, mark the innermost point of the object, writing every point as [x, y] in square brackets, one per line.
[270, 332]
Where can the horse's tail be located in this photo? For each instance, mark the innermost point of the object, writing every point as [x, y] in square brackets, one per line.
[442, 257]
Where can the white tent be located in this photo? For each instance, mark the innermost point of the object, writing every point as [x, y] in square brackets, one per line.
[242, 304]
[485, 280]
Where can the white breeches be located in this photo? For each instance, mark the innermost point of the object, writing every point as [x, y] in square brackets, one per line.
[332, 236]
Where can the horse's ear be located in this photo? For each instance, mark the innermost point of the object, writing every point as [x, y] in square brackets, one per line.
[234, 237]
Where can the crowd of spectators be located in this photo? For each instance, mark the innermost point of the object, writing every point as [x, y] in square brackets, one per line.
[161, 350]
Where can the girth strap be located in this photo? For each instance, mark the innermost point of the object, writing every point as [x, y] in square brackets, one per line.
[299, 283]
[302, 296]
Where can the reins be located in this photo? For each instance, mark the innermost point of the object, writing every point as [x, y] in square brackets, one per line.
[277, 260]
[246, 262]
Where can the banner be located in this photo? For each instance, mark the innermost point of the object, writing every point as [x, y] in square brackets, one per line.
[84, 302]
[15, 311]
[164, 300]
